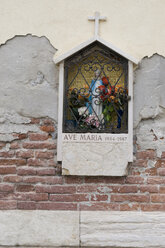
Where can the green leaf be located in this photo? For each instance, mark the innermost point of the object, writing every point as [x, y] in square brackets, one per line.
[108, 118]
[105, 111]
[111, 108]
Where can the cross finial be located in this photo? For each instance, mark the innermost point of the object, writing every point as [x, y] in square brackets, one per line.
[97, 18]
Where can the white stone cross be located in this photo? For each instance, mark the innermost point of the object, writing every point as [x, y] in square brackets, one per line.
[97, 18]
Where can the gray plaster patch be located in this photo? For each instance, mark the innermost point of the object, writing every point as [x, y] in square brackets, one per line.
[28, 77]
[11, 116]
[11, 122]
[149, 88]
[149, 104]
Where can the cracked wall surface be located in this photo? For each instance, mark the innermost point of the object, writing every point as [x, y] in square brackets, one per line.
[28, 77]
[149, 104]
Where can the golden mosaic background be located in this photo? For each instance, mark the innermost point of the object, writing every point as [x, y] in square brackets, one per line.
[79, 81]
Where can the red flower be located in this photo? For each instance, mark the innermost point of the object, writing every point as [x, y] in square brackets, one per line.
[105, 80]
[104, 92]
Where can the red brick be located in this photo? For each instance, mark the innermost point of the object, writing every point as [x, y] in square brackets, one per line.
[43, 145]
[99, 206]
[12, 161]
[56, 189]
[163, 155]
[73, 179]
[36, 162]
[97, 197]
[2, 145]
[94, 179]
[6, 188]
[69, 198]
[162, 189]
[12, 179]
[134, 180]
[130, 207]
[151, 172]
[48, 122]
[87, 188]
[31, 197]
[140, 163]
[156, 180]
[117, 189]
[26, 171]
[38, 137]
[25, 188]
[129, 197]
[26, 205]
[160, 163]
[14, 145]
[161, 171]
[153, 207]
[25, 154]
[108, 189]
[44, 154]
[46, 180]
[158, 198]
[20, 136]
[134, 172]
[47, 128]
[46, 171]
[56, 206]
[148, 188]
[148, 154]
[8, 205]
[128, 189]
[7, 196]
[51, 162]
[113, 180]
[7, 170]
[9, 154]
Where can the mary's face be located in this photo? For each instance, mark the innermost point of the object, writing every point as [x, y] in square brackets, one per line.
[97, 73]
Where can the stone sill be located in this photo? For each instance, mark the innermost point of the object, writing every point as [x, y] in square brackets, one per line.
[48, 229]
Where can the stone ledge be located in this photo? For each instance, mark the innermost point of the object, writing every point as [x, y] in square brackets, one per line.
[122, 229]
[55, 229]
[39, 228]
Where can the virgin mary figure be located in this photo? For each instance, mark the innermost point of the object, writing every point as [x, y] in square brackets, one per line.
[96, 107]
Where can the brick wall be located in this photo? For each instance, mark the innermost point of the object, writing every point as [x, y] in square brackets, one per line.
[31, 179]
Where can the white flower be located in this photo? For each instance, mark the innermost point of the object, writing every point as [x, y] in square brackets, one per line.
[83, 111]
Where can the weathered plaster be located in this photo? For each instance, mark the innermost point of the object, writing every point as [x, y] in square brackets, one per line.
[28, 77]
[11, 122]
[149, 104]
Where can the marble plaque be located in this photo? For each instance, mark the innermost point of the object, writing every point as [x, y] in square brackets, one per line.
[94, 137]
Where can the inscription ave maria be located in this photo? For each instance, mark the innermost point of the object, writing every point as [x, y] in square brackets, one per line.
[88, 137]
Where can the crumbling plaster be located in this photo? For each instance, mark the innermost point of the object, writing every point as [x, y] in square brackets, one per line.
[29, 77]
[29, 84]
[149, 104]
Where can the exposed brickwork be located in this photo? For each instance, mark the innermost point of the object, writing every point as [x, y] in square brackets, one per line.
[30, 178]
